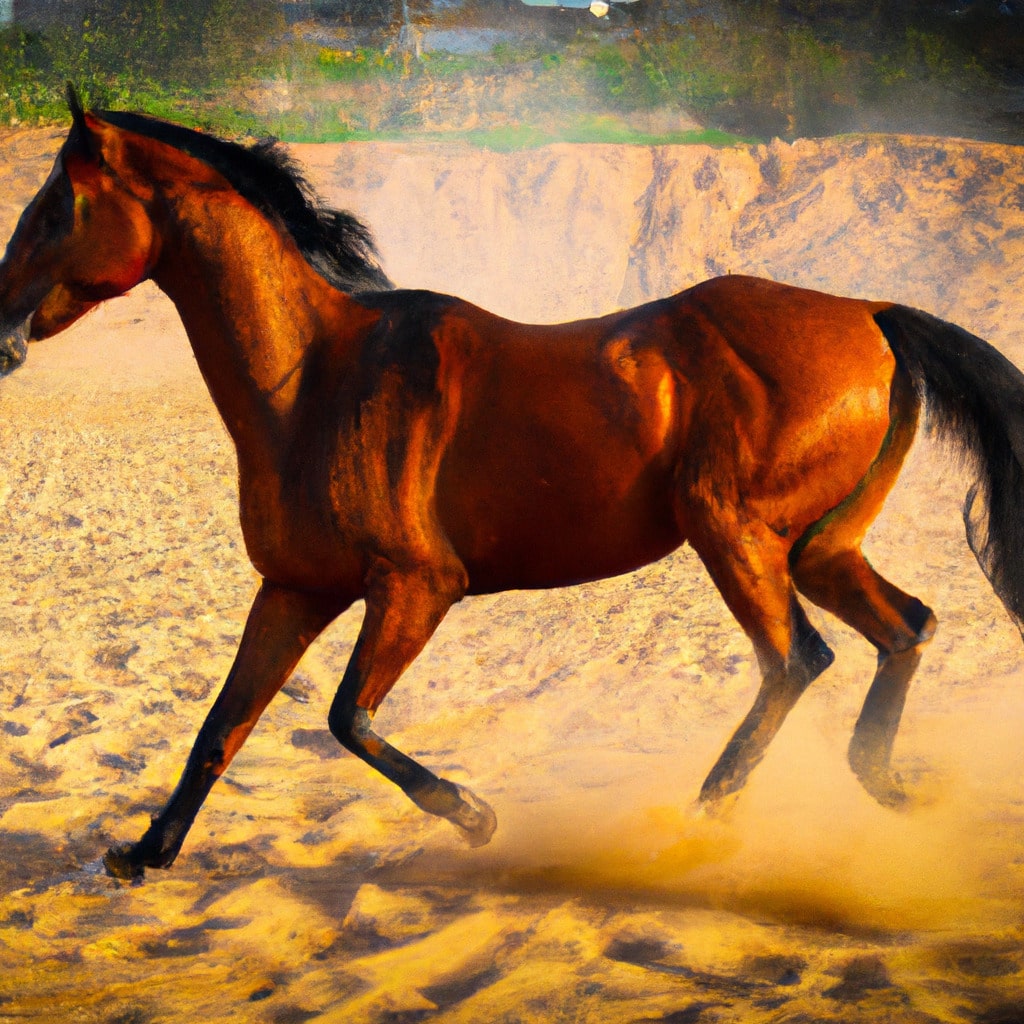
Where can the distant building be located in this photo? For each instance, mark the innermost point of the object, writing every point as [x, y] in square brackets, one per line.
[38, 13]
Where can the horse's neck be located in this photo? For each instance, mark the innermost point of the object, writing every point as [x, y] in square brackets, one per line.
[248, 301]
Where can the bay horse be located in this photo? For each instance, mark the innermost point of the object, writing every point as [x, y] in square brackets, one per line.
[408, 448]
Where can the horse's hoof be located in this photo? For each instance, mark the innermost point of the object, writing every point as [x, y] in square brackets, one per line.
[709, 807]
[720, 790]
[890, 795]
[474, 817]
[885, 788]
[879, 781]
[122, 861]
[460, 806]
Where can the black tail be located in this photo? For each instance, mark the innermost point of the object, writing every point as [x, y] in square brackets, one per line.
[974, 397]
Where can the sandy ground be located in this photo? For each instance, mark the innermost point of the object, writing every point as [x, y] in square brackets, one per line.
[310, 890]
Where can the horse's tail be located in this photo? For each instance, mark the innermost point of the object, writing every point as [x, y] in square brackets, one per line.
[974, 397]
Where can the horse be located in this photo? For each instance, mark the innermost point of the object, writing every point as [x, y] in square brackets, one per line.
[408, 448]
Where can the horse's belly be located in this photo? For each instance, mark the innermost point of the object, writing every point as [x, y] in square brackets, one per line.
[514, 568]
[530, 533]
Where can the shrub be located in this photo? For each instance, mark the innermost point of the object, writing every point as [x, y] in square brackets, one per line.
[117, 51]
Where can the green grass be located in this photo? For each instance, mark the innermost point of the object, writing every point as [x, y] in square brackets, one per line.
[742, 81]
[498, 140]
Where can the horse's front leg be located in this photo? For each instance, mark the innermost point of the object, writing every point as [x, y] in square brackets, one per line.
[403, 608]
[281, 625]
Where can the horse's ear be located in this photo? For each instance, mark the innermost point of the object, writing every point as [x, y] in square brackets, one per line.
[81, 137]
[77, 112]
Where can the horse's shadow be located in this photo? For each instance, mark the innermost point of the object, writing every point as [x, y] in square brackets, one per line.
[36, 861]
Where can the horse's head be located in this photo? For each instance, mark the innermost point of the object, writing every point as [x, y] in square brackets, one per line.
[85, 237]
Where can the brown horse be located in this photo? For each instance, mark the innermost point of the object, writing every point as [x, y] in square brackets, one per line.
[408, 448]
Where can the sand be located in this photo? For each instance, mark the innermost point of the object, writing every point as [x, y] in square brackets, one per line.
[310, 889]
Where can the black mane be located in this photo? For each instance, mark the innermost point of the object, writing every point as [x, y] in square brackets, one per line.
[336, 244]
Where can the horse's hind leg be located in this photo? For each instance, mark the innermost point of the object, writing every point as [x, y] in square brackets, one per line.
[752, 573]
[403, 608]
[898, 625]
[829, 568]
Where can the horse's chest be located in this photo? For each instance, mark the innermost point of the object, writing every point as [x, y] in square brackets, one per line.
[350, 490]
[292, 539]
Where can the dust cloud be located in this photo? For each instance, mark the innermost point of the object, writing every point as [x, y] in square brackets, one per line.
[802, 844]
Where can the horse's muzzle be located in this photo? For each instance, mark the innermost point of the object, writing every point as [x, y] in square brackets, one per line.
[13, 347]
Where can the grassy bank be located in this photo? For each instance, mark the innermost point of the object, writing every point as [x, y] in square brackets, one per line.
[239, 70]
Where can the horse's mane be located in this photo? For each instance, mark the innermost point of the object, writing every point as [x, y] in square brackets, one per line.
[336, 244]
